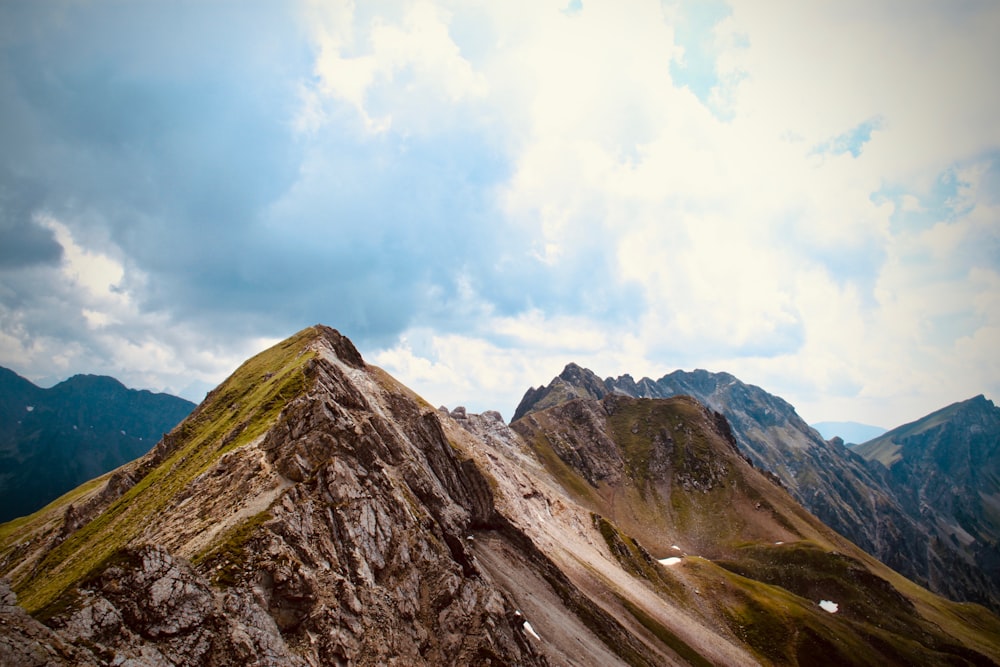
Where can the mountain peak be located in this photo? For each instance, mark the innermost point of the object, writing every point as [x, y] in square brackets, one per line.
[575, 381]
[945, 468]
[968, 416]
[88, 382]
[580, 377]
[340, 344]
[307, 496]
[980, 401]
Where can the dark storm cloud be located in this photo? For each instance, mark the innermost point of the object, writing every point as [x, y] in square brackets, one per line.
[23, 242]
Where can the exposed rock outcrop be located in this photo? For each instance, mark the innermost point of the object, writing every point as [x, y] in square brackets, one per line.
[150, 608]
[24, 642]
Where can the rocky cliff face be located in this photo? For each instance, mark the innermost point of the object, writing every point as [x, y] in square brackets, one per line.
[52, 440]
[313, 511]
[834, 483]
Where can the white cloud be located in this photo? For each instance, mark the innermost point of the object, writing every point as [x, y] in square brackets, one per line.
[459, 370]
[625, 223]
[98, 274]
[87, 293]
[753, 252]
[452, 369]
[534, 330]
[408, 63]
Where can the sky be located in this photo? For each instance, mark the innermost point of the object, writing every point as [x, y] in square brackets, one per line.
[803, 194]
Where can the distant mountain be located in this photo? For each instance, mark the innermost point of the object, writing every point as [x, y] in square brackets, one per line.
[314, 511]
[52, 440]
[945, 471]
[830, 480]
[851, 433]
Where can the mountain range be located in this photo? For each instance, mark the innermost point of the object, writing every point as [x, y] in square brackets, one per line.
[312, 510]
[52, 440]
[880, 509]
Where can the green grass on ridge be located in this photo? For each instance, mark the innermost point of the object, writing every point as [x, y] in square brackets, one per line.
[239, 410]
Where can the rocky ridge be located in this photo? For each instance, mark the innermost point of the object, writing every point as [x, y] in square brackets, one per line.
[669, 482]
[302, 545]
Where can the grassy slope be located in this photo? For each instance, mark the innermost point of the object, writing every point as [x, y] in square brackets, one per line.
[239, 410]
[882, 449]
[656, 508]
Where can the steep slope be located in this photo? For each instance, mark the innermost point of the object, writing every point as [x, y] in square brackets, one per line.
[825, 477]
[313, 511]
[52, 440]
[945, 470]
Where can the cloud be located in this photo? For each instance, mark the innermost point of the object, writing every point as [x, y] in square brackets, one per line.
[852, 141]
[751, 251]
[700, 43]
[478, 193]
[455, 369]
[416, 56]
[23, 243]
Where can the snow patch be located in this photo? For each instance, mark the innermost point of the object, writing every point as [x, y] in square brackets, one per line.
[829, 606]
[29, 408]
[675, 548]
[779, 542]
[673, 560]
[531, 631]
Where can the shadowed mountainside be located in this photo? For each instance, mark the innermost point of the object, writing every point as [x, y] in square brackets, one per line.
[945, 471]
[52, 440]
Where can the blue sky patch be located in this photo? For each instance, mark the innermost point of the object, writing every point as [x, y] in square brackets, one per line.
[574, 7]
[852, 141]
[693, 31]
